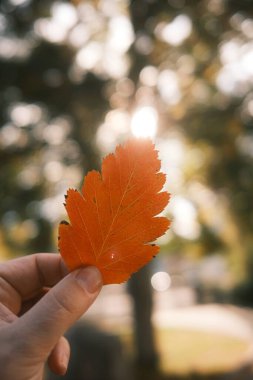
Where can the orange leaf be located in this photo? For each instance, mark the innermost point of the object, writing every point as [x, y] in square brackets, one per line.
[113, 220]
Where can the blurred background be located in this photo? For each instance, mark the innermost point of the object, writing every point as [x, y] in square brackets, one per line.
[79, 77]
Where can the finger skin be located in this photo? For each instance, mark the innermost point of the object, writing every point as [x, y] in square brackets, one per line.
[24, 278]
[47, 321]
[59, 358]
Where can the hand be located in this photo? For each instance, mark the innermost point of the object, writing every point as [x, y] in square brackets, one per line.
[39, 301]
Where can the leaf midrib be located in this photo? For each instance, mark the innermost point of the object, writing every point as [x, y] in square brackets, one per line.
[117, 212]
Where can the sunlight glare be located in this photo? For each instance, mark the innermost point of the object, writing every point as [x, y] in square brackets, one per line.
[168, 86]
[89, 56]
[120, 34]
[64, 14]
[144, 122]
[23, 114]
[185, 223]
[177, 31]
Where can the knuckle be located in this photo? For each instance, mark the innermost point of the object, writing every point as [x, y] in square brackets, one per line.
[65, 303]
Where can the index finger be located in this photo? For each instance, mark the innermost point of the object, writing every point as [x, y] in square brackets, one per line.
[23, 278]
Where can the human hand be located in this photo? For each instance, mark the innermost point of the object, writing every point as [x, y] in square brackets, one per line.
[39, 301]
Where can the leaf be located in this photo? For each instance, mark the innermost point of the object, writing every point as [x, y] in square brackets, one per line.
[113, 220]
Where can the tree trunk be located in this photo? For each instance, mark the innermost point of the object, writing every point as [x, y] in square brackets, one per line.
[141, 292]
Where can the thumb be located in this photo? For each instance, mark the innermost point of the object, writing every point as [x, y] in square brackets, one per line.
[43, 325]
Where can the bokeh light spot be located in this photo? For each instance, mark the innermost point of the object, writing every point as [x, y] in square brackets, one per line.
[161, 281]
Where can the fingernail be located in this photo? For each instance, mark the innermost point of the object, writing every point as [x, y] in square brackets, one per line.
[90, 279]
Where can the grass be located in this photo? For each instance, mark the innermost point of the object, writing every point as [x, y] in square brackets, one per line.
[186, 351]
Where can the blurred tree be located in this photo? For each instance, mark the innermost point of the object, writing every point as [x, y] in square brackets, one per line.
[203, 51]
[45, 117]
